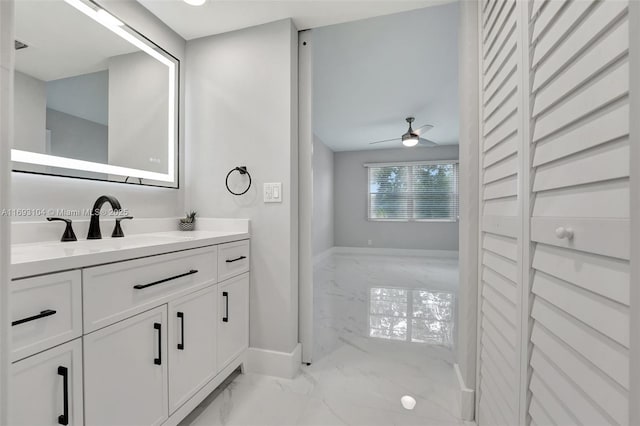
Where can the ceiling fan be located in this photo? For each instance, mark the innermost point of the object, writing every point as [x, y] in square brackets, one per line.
[412, 137]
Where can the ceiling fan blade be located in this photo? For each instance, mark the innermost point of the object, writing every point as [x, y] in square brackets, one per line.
[427, 142]
[423, 129]
[386, 140]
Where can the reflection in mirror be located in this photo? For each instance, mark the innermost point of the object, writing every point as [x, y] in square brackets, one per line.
[93, 98]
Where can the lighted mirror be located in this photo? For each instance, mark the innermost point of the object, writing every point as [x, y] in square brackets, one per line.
[94, 98]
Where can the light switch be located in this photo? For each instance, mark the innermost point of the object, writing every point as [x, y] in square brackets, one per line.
[273, 192]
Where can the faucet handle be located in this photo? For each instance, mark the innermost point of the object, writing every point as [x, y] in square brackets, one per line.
[117, 230]
[68, 235]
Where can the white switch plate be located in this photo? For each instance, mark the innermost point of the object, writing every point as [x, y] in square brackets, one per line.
[273, 192]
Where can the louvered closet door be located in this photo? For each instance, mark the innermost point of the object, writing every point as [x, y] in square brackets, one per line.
[580, 166]
[501, 219]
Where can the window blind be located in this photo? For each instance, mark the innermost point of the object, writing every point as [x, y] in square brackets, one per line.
[413, 191]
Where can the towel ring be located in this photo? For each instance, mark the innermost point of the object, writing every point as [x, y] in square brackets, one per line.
[243, 171]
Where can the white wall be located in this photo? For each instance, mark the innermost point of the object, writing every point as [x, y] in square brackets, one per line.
[323, 205]
[352, 229]
[30, 108]
[35, 191]
[138, 105]
[242, 110]
[6, 136]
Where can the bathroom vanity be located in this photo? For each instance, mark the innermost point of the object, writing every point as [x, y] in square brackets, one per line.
[131, 331]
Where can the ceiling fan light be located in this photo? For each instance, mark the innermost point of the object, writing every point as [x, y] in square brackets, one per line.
[195, 2]
[410, 139]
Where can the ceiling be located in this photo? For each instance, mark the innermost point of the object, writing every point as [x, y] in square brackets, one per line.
[219, 16]
[53, 54]
[371, 74]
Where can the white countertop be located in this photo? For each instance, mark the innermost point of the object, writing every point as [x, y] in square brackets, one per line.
[47, 257]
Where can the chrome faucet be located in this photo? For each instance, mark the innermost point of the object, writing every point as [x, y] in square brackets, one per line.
[94, 224]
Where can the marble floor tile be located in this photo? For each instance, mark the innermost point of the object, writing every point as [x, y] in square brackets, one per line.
[356, 379]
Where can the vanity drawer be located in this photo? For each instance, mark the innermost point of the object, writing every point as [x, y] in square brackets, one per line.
[119, 290]
[45, 311]
[233, 259]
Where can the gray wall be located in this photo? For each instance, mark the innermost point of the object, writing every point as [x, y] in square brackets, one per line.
[36, 191]
[85, 96]
[75, 137]
[352, 229]
[323, 227]
[242, 110]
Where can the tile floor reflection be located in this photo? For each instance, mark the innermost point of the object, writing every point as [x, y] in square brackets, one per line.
[417, 316]
[384, 328]
[393, 298]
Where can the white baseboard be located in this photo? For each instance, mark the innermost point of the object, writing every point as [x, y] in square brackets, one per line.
[322, 256]
[274, 363]
[466, 397]
[375, 251]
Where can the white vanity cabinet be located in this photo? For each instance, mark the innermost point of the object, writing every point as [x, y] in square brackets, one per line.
[46, 389]
[45, 311]
[193, 343]
[134, 342]
[125, 371]
[233, 322]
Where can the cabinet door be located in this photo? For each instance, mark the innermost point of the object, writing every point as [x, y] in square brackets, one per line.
[46, 389]
[125, 372]
[233, 318]
[192, 344]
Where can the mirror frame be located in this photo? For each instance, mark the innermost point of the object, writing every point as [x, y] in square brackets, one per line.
[103, 17]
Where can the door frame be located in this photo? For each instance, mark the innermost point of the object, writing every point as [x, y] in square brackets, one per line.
[305, 194]
[634, 188]
[6, 140]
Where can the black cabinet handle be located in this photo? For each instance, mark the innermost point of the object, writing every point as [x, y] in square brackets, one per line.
[181, 344]
[141, 286]
[63, 419]
[225, 318]
[158, 326]
[236, 259]
[42, 314]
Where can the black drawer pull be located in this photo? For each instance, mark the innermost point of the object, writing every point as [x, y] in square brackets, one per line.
[141, 286]
[63, 419]
[158, 326]
[181, 344]
[236, 259]
[43, 314]
[225, 318]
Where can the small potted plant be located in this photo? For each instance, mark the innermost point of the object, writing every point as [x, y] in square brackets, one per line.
[188, 223]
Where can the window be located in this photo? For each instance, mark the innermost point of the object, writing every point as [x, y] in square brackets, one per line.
[413, 191]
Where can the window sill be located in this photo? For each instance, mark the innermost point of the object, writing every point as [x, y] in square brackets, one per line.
[413, 220]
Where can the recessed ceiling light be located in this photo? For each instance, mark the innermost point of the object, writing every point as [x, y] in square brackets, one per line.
[408, 402]
[195, 2]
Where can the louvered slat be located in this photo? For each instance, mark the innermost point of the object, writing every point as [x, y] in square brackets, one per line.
[499, 310]
[580, 286]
